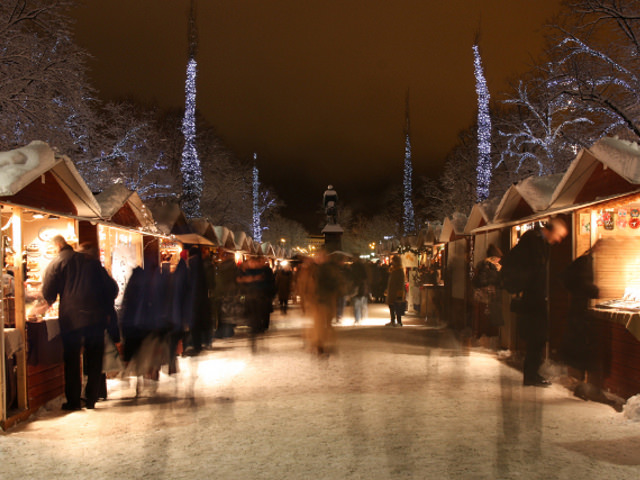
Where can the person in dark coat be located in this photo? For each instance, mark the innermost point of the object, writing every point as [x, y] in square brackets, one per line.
[380, 283]
[284, 279]
[580, 347]
[396, 292]
[578, 352]
[111, 323]
[210, 274]
[531, 255]
[84, 295]
[171, 324]
[258, 285]
[227, 305]
[136, 318]
[197, 306]
[487, 294]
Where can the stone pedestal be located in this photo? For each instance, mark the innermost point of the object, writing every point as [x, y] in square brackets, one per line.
[332, 237]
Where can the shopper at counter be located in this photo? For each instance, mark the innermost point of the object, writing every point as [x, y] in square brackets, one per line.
[524, 272]
[84, 294]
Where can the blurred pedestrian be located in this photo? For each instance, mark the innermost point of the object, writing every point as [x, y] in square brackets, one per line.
[396, 292]
[525, 270]
[197, 307]
[144, 325]
[487, 294]
[305, 283]
[210, 274]
[360, 290]
[111, 325]
[324, 286]
[379, 282]
[343, 286]
[284, 280]
[228, 307]
[258, 285]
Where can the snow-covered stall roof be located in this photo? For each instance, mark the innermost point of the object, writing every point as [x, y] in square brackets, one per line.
[453, 225]
[535, 191]
[421, 237]
[168, 216]
[113, 198]
[267, 250]
[574, 178]
[409, 241]
[20, 167]
[192, 239]
[203, 227]
[389, 245]
[621, 156]
[225, 237]
[428, 235]
[243, 242]
[481, 214]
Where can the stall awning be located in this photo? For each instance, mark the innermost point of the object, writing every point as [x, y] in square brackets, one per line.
[550, 212]
[193, 239]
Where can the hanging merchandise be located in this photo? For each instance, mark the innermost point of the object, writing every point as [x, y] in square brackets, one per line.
[609, 220]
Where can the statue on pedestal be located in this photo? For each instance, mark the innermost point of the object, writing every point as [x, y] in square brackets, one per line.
[330, 203]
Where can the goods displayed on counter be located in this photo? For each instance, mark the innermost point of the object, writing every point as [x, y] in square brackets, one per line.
[38, 257]
[629, 302]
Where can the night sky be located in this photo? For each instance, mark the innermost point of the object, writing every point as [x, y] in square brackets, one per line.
[317, 88]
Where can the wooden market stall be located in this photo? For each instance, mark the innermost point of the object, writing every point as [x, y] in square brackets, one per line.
[455, 273]
[602, 188]
[42, 195]
[125, 234]
[525, 205]
[430, 267]
[483, 320]
[227, 241]
[244, 244]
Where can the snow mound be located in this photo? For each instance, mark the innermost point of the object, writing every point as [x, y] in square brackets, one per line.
[537, 191]
[631, 409]
[622, 156]
[21, 166]
[112, 198]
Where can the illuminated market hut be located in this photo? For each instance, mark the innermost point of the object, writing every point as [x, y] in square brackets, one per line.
[601, 190]
[41, 195]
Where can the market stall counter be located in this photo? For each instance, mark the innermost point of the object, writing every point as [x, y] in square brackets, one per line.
[626, 316]
[610, 232]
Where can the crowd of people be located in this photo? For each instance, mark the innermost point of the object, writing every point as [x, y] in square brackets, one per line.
[173, 309]
[170, 309]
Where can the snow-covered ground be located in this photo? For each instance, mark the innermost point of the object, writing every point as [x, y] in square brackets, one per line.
[389, 403]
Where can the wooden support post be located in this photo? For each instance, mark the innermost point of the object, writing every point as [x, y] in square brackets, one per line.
[20, 316]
